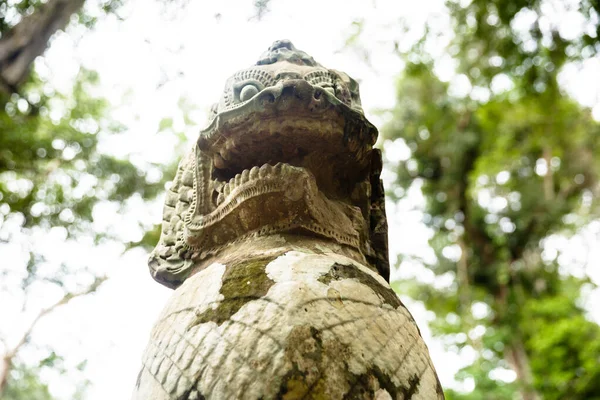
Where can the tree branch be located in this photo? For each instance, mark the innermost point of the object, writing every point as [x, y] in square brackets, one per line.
[29, 38]
[7, 359]
[549, 177]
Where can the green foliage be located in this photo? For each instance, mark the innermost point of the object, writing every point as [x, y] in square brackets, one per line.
[150, 238]
[51, 171]
[53, 175]
[500, 172]
[495, 37]
[24, 381]
[24, 384]
[261, 8]
[11, 12]
[561, 336]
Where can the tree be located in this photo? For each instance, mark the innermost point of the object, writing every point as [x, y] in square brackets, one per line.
[25, 385]
[27, 32]
[502, 166]
[52, 176]
[28, 39]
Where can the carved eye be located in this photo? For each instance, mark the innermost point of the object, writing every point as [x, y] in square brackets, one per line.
[327, 86]
[248, 92]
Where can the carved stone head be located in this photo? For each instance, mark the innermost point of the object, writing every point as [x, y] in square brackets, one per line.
[287, 150]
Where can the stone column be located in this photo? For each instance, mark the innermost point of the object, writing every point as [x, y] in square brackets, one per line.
[275, 240]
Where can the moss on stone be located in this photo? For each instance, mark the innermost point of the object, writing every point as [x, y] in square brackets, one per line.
[317, 363]
[310, 359]
[242, 282]
[412, 387]
[350, 271]
[365, 385]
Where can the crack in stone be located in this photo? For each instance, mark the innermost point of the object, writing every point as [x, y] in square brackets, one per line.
[350, 271]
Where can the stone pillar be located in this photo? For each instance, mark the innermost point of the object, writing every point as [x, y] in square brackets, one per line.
[275, 240]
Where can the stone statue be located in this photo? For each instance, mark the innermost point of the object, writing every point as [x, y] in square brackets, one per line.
[275, 241]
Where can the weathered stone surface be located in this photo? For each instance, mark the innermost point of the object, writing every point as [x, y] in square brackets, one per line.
[308, 336]
[275, 238]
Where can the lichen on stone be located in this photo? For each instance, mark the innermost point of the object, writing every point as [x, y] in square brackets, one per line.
[367, 384]
[242, 282]
[318, 367]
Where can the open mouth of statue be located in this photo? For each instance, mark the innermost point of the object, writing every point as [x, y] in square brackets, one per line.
[280, 162]
[282, 146]
[296, 124]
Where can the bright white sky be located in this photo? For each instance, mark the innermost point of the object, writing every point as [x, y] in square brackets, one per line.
[157, 56]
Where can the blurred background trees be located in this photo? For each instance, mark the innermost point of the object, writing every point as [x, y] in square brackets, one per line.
[52, 176]
[505, 160]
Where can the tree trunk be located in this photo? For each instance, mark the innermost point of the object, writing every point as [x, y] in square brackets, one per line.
[29, 38]
[6, 366]
[549, 177]
[517, 358]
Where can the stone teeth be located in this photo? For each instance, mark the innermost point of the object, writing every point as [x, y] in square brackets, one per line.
[264, 170]
[229, 144]
[230, 150]
[224, 153]
[278, 167]
[220, 198]
[245, 175]
[254, 173]
[238, 180]
[219, 161]
[226, 189]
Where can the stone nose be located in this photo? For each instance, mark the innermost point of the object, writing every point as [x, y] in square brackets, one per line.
[298, 88]
[293, 93]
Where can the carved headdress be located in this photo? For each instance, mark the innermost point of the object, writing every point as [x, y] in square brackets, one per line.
[287, 150]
